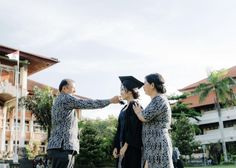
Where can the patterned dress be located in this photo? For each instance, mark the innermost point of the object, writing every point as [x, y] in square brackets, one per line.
[155, 136]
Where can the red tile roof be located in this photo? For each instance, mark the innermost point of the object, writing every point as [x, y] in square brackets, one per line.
[193, 101]
[231, 72]
[31, 84]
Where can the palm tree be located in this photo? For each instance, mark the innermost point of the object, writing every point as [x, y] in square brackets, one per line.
[221, 85]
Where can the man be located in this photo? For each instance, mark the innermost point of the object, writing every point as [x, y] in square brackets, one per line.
[63, 143]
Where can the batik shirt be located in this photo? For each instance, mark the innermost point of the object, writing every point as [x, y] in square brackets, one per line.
[64, 134]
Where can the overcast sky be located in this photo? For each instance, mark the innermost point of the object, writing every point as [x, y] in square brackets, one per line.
[98, 40]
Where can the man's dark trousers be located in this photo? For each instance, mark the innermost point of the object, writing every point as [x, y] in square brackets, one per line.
[62, 158]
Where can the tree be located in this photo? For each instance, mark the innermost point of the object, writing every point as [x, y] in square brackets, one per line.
[178, 108]
[90, 145]
[96, 142]
[32, 150]
[40, 103]
[106, 131]
[221, 85]
[183, 135]
[215, 152]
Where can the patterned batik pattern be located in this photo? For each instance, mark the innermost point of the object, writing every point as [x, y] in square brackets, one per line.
[156, 141]
[65, 132]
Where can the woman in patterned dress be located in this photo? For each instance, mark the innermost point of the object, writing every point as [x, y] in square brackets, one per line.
[156, 118]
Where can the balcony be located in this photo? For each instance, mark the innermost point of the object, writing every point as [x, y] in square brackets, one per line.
[212, 116]
[8, 83]
[214, 136]
[8, 88]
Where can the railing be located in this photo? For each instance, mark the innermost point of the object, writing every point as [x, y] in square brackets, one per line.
[6, 87]
[214, 136]
[212, 116]
[7, 80]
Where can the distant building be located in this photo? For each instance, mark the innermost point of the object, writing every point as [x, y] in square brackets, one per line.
[209, 121]
[29, 130]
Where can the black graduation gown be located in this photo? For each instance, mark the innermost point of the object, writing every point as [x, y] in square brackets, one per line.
[132, 135]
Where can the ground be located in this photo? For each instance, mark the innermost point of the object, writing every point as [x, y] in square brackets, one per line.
[218, 166]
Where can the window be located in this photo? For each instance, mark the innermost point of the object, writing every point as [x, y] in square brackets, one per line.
[18, 125]
[7, 75]
[230, 123]
[6, 145]
[8, 124]
[27, 127]
[37, 127]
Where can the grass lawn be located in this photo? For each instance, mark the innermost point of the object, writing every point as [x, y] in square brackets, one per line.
[218, 166]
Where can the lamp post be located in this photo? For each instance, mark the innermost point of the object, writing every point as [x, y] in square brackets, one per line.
[16, 56]
[15, 156]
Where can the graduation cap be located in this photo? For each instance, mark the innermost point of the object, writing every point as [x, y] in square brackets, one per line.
[130, 82]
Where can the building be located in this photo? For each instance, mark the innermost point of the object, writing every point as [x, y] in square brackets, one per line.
[209, 121]
[28, 130]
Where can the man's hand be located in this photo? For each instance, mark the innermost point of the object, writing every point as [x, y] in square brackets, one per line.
[115, 99]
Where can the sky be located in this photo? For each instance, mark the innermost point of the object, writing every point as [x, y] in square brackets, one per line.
[98, 40]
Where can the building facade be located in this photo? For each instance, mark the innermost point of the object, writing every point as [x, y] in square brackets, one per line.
[209, 121]
[25, 130]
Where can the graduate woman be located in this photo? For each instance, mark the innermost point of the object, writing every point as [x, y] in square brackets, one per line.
[127, 141]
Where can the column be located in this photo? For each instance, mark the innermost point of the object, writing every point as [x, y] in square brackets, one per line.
[22, 128]
[3, 138]
[12, 136]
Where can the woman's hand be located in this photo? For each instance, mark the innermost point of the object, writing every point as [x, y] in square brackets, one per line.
[123, 149]
[137, 108]
[115, 154]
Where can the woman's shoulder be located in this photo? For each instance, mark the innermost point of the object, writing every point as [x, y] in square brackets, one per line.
[160, 98]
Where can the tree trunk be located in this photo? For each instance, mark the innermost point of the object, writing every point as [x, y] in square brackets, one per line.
[221, 127]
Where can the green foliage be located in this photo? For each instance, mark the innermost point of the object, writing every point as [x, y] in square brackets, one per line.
[90, 153]
[179, 109]
[177, 97]
[106, 131]
[183, 135]
[28, 152]
[96, 141]
[40, 103]
[32, 150]
[215, 152]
